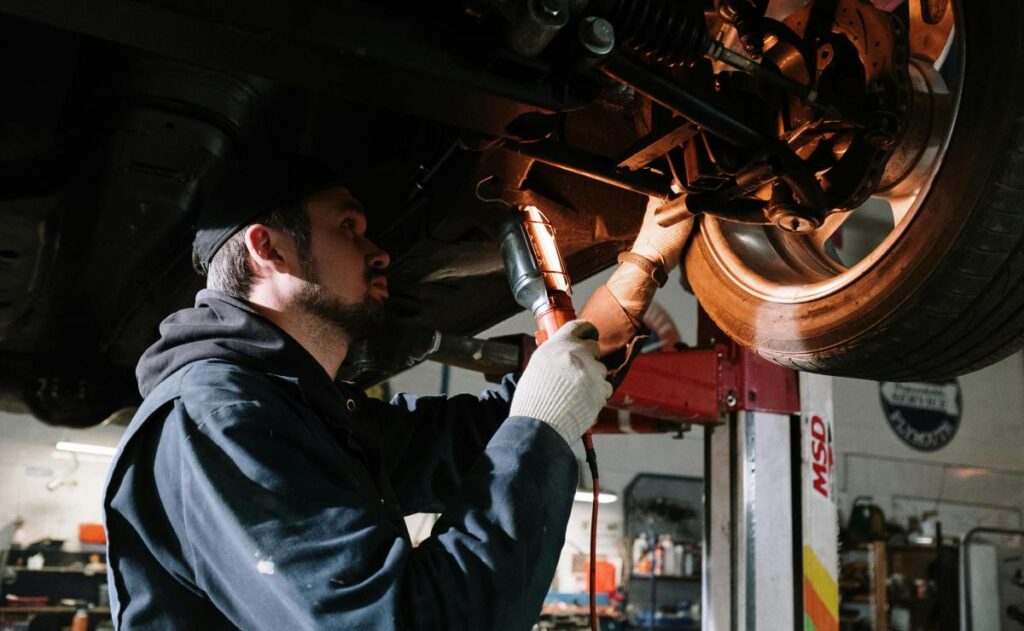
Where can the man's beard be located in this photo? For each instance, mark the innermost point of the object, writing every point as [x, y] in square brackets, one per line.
[357, 321]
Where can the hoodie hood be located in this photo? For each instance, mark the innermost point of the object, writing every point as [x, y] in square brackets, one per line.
[222, 327]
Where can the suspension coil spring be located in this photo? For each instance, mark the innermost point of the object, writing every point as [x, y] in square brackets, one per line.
[667, 32]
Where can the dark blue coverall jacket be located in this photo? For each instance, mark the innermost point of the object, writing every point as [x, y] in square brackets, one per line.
[250, 491]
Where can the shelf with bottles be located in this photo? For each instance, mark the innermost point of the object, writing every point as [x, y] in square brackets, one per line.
[666, 558]
[663, 528]
[664, 524]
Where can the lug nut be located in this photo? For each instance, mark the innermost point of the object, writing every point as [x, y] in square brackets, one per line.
[791, 218]
[882, 131]
[789, 215]
[792, 222]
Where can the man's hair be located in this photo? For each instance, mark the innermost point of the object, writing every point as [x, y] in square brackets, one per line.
[230, 270]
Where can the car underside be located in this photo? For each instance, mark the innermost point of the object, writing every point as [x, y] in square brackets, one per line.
[772, 122]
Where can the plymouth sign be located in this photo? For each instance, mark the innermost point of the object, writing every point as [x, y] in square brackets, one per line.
[924, 415]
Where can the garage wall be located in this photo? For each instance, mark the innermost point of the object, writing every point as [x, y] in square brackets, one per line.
[29, 462]
[977, 478]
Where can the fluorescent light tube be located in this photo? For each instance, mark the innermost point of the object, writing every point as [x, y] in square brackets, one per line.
[85, 448]
[602, 498]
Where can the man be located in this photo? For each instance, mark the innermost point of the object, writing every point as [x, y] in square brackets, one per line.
[253, 491]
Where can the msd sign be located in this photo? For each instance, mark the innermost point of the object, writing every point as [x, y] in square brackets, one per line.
[821, 461]
[820, 527]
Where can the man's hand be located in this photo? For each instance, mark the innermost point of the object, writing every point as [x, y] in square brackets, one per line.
[633, 284]
[617, 308]
[564, 385]
[658, 244]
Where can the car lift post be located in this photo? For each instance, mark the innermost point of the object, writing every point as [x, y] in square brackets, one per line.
[770, 556]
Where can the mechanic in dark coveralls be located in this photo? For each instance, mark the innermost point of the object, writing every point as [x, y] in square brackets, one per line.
[253, 491]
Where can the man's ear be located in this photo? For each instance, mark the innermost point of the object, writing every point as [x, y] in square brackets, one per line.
[270, 250]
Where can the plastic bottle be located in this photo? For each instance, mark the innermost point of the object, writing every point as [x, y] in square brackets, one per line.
[690, 561]
[644, 566]
[81, 621]
[639, 548]
[36, 561]
[659, 560]
[677, 556]
[668, 555]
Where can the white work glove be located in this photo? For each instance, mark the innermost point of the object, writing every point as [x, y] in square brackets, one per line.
[564, 385]
[656, 243]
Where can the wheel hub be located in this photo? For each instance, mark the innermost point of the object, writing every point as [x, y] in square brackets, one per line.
[893, 156]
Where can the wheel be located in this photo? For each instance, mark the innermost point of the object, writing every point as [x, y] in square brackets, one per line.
[942, 292]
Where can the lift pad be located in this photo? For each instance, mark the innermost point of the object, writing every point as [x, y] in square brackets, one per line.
[700, 385]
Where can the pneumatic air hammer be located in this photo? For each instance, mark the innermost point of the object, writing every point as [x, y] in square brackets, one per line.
[540, 283]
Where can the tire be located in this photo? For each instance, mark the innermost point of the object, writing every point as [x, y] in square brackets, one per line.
[947, 296]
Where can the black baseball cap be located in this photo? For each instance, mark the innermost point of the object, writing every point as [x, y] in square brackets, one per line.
[263, 183]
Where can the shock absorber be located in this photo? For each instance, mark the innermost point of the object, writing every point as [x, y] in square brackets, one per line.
[674, 32]
[670, 33]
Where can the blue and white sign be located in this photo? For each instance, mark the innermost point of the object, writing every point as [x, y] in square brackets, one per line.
[924, 415]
